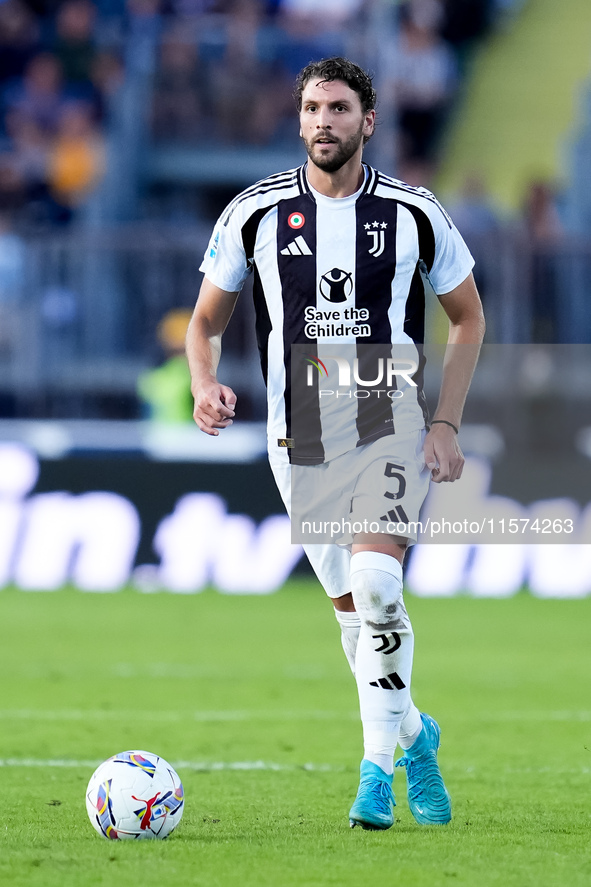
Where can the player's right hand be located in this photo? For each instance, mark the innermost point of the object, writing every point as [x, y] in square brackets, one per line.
[214, 407]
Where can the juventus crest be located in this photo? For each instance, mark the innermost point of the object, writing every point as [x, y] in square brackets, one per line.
[377, 232]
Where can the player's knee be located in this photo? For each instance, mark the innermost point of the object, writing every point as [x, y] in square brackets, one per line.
[376, 586]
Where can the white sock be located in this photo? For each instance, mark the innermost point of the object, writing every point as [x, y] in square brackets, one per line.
[350, 624]
[383, 662]
[411, 724]
[410, 727]
[379, 745]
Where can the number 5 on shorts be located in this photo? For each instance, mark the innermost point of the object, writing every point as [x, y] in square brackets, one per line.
[393, 470]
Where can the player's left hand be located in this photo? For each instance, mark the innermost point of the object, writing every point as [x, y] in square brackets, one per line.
[443, 454]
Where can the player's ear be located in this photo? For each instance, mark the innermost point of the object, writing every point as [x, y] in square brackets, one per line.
[370, 122]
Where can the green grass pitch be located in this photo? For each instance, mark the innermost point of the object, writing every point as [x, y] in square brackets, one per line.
[254, 695]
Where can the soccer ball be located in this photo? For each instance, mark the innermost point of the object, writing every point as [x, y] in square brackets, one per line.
[135, 794]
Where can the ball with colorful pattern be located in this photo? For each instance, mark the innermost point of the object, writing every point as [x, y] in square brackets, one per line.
[135, 795]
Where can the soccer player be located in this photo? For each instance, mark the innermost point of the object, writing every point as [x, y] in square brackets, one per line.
[337, 239]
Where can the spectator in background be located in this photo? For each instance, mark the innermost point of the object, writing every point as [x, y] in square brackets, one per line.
[300, 30]
[19, 39]
[74, 44]
[473, 212]
[542, 226]
[177, 104]
[76, 159]
[540, 215]
[241, 80]
[476, 216]
[464, 23]
[29, 154]
[312, 30]
[30, 147]
[13, 191]
[422, 80]
[166, 391]
[40, 94]
[107, 76]
[143, 10]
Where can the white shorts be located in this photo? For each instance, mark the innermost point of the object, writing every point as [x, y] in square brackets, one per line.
[377, 488]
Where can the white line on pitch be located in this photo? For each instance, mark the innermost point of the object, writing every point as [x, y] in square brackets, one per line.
[211, 766]
[199, 766]
[77, 714]
[541, 715]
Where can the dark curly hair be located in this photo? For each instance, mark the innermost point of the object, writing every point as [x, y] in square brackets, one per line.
[337, 68]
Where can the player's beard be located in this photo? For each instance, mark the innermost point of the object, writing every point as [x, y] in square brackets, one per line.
[344, 152]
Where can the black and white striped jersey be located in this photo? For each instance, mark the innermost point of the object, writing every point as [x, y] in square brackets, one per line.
[336, 280]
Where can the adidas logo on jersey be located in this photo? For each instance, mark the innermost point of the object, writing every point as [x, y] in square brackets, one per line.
[297, 247]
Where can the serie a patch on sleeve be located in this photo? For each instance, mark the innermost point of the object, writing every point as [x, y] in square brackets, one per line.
[286, 442]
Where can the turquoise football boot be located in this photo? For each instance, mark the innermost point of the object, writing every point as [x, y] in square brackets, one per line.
[428, 797]
[372, 808]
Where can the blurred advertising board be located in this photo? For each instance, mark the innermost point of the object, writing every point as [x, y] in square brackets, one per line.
[102, 522]
[102, 505]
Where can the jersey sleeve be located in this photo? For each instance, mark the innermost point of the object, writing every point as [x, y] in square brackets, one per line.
[225, 263]
[452, 261]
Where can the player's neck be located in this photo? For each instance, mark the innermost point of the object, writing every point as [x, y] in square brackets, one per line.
[342, 183]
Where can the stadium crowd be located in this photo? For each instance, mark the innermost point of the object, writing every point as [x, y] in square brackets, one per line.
[217, 73]
[56, 73]
[61, 61]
